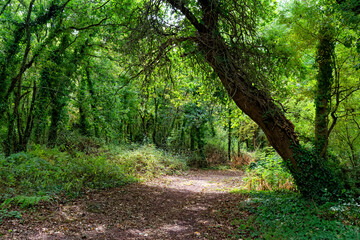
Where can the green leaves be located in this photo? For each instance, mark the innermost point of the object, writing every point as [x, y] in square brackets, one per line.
[286, 216]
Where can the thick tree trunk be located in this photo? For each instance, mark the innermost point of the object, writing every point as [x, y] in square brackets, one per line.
[312, 177]
[254, 102]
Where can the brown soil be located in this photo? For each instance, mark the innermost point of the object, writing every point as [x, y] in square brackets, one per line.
[196, 205]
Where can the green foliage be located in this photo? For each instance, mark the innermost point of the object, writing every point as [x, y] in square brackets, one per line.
[73, 142]
[76, 76]
[43, 175]
[25, 201]
[6, 214]
[268, 173]
[146, 161]
[27, 178]
[286, 216]
[51, 172]
[315, 180]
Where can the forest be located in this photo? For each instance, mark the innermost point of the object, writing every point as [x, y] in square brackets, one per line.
[109, 108]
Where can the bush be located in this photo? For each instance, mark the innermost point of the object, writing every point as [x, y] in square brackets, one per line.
[49, 171]
[268, 173]
[73, 142]
[42, 174]
[215, 155]
[147, 161]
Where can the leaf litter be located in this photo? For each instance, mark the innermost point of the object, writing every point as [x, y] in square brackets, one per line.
[195, 205]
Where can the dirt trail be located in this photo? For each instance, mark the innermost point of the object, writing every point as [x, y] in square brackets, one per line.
[196, 205]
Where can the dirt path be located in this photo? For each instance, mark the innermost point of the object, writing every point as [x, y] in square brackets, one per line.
[197, 205]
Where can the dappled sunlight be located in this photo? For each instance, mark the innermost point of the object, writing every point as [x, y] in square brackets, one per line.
[151, 210]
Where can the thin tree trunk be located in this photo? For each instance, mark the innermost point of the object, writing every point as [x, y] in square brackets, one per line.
[93, 102]
[323, 89]
[23, 142]
[12, 142]
[154, 134]
[229, 134]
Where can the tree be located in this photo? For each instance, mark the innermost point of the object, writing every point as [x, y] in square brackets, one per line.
[223, 35]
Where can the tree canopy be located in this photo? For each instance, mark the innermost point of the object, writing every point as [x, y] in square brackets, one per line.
[181, 73]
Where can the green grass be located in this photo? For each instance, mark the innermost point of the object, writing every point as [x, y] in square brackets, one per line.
[288, 216]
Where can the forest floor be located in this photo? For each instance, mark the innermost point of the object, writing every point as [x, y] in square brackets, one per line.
[194, 205]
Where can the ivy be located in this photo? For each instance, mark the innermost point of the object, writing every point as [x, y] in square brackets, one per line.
[315, 179]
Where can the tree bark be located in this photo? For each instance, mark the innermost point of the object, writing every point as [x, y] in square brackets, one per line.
[311, 176]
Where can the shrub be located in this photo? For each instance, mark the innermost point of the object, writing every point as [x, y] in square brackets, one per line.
[50, 171]
[45, 172]
[268, 173]
[215, 155]
[147, 161]
[73, 142]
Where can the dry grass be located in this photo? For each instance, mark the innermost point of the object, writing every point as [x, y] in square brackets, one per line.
[241, 161]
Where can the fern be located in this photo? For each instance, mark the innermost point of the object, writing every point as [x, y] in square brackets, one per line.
[25, 201]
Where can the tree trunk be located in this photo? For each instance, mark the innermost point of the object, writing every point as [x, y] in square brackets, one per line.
[93, 102]
[312, 177]
[155, 122]
[83, 122]
[324, 59]
[41, 106]
[229, 134]
[55, 120]
[192, 139]
[23, 142]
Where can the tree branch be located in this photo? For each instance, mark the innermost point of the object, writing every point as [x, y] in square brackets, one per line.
[177, 4]
[4, 7]
[89, 26]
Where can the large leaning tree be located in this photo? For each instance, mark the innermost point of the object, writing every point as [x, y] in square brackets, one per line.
[223, 35]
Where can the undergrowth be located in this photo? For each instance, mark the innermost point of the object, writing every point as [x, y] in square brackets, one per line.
[268, 173]
[146, 161]
[44, 174]
[288, 216]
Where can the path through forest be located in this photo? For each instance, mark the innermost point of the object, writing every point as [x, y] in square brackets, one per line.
[195, 205]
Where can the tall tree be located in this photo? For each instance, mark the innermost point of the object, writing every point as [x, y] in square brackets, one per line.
[325, 80]
[225, 36]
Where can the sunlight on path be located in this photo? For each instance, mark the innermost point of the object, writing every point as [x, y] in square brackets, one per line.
[209, 181]
[195, 205]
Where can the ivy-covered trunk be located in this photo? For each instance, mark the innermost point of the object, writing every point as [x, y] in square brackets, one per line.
[93, 101]
[325, 51]
[83, 121]
[41, 106]
[313, 178]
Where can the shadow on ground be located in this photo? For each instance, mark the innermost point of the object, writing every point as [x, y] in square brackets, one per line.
[193, 206]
